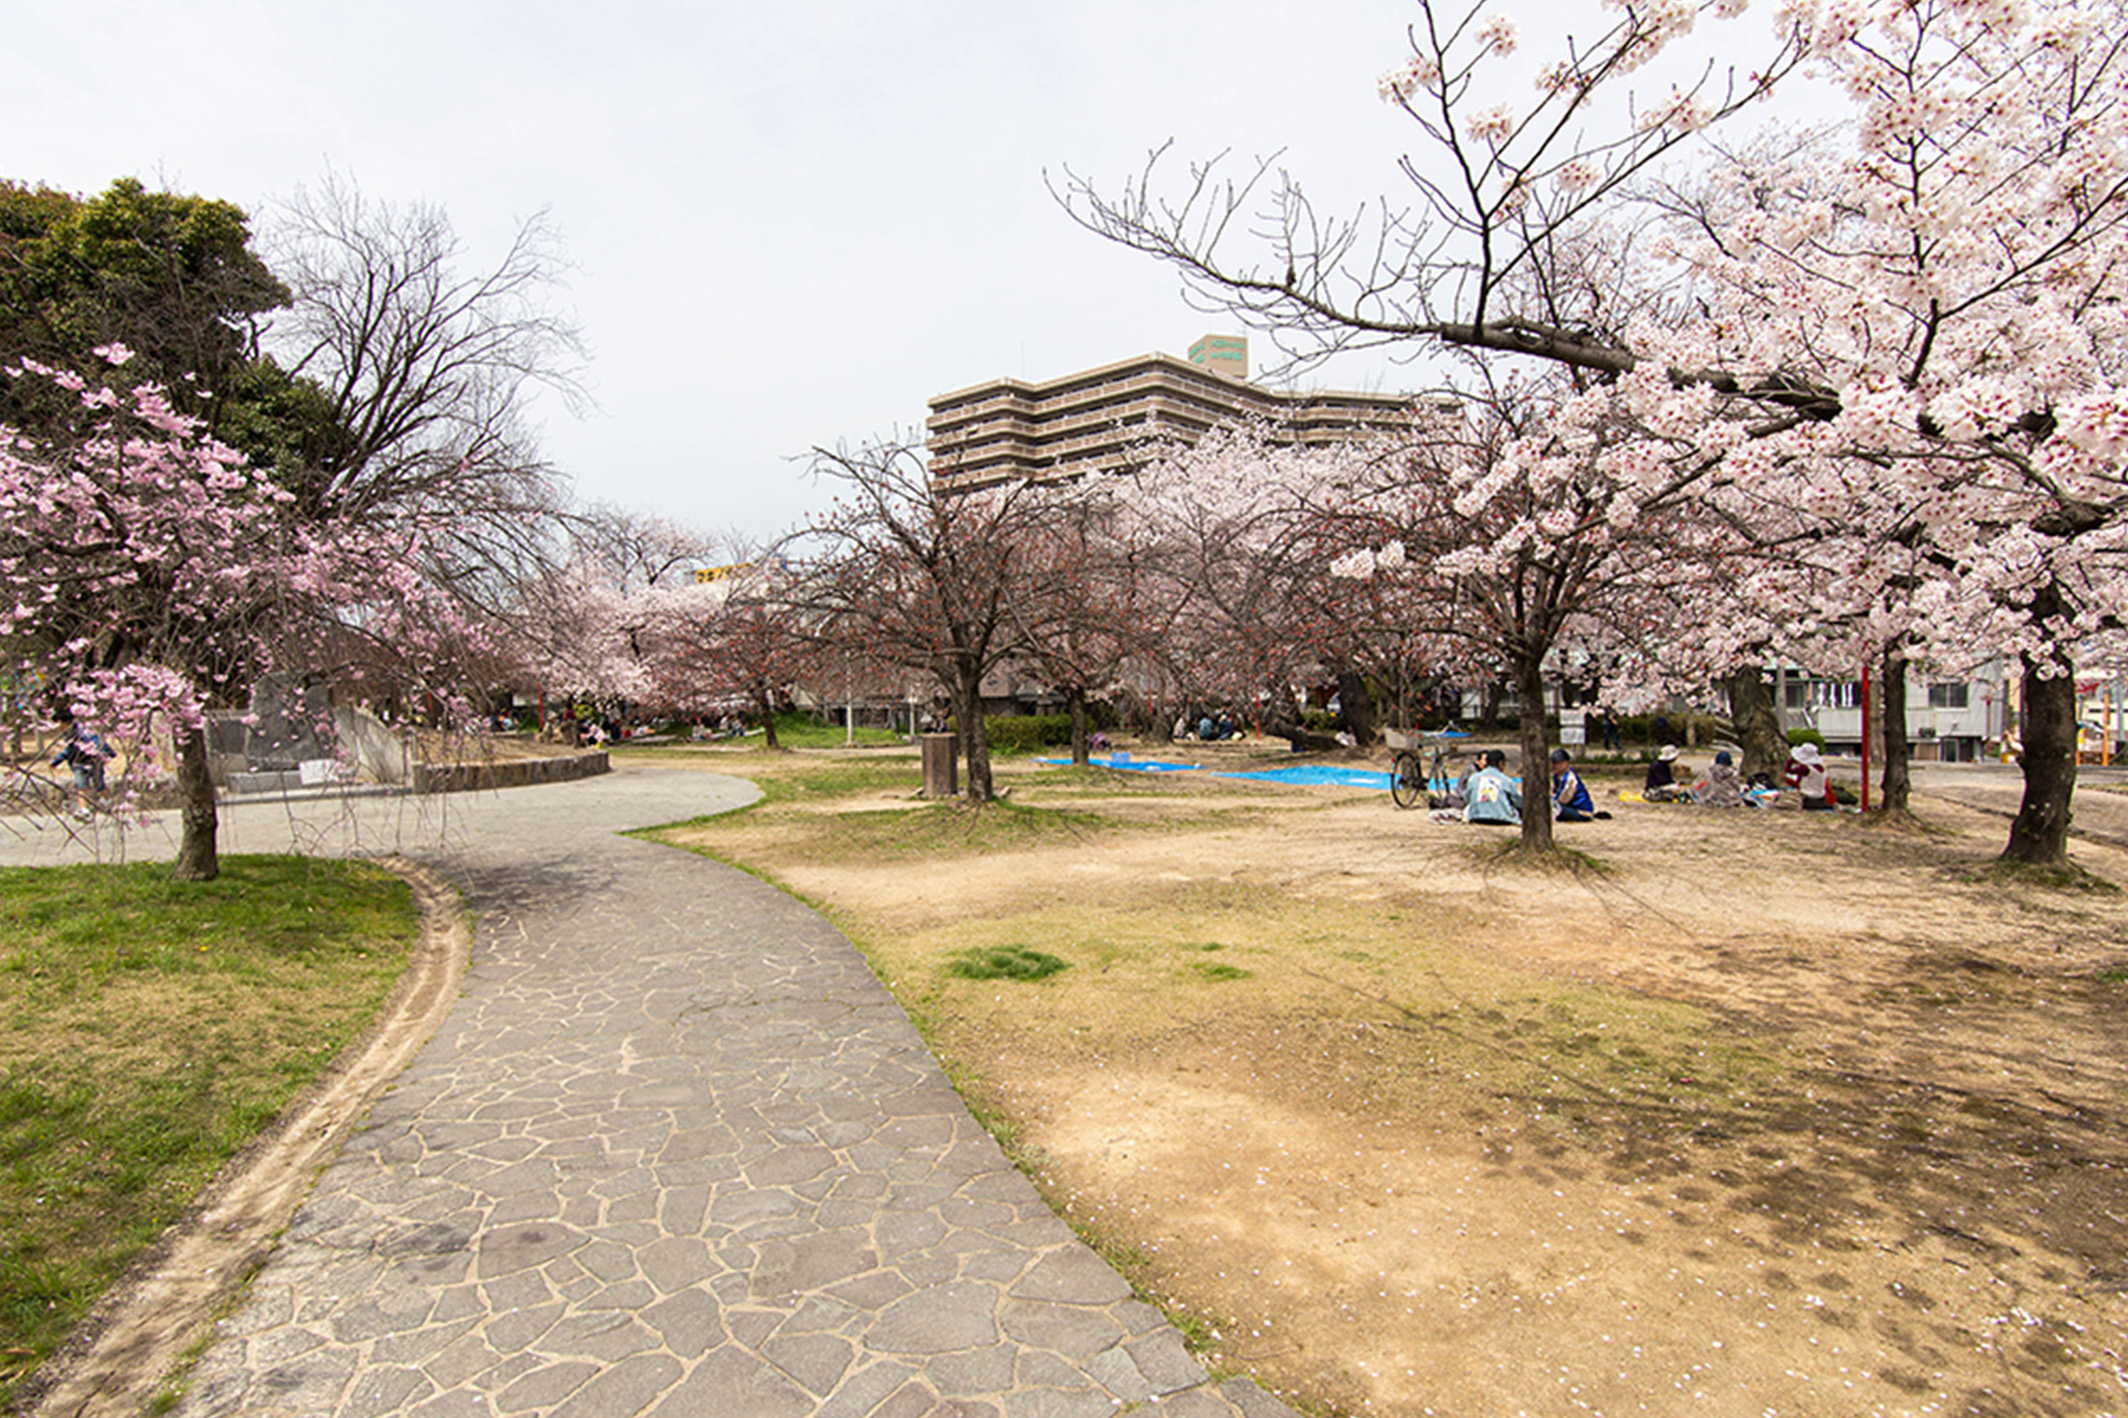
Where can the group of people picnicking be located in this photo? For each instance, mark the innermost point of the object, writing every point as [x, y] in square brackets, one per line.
[1723, 784]
[1208, 727]
[1484, 793]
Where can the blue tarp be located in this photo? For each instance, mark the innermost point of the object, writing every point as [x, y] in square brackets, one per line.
[1132, 765]
[1305, 774]
[1321, 774]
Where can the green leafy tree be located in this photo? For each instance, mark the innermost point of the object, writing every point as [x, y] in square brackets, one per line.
[171, 277]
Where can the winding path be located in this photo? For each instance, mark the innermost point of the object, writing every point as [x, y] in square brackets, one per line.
[674, 1151]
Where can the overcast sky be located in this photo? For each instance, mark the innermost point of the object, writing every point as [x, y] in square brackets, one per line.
[791, 222]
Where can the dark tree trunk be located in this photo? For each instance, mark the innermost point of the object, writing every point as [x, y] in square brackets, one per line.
[1536, 756]
[2040, 834]
[1075, 700]
[766, 699]
[1355, 706]
[197, 855]
[1489, 701]
[1898, 778]
[1757, 720]
[1303, 739]
[966, 688]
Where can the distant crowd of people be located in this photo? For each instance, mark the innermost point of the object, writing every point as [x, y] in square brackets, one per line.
[1209, 727]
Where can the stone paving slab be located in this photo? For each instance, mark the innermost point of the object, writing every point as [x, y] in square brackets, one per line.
[675, 1152]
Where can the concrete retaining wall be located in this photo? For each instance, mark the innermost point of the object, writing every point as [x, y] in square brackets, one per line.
[508, 773]
[385, 753]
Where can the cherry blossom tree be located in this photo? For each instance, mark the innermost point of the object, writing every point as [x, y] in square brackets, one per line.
[927, 578]
[746, 643]
[1221, 570]
[1918, 341]
[612, 619]
[146, 572]
[1501, 541]
[1098, 611]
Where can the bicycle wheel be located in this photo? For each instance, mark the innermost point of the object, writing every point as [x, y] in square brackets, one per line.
[1407, 780]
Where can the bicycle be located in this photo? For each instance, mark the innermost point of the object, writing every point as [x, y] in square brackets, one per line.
[1412, 780]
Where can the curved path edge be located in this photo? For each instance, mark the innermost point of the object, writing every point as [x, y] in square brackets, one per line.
[671, 1150]
[139, 1335]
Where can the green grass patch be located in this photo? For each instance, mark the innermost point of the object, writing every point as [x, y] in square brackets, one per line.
[943, 829]
[809, 779]
[1004, 962]
[1219, 970]
[148, 1029]
[920, 831]
[804, 731]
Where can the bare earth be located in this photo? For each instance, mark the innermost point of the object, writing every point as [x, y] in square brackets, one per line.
[1896, 1183]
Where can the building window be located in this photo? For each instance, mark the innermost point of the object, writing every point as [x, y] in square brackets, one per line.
[1947, 696]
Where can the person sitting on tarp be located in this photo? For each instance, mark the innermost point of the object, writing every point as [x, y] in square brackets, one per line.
[1723, 786]
[1494, 798]
[1807, 775]
[1661, 785]
[1570, 796]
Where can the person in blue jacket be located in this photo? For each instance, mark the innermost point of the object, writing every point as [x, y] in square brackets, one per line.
[1492, 795]
[83, 750]
[1570, 796]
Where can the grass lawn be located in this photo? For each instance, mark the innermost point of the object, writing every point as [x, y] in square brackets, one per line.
[148, 1029]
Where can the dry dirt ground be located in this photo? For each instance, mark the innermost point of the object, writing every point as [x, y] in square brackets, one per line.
[1742, 1113]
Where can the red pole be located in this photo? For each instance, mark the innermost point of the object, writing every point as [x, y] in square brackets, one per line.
[1865, 736]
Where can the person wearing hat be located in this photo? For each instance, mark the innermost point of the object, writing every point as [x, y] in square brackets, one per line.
[1723, 786]
[1493, 797]
[1806, 774]
[1661, 785]
[1570, 796]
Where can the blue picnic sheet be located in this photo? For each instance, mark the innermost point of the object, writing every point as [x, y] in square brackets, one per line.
[1304, 774]
[1317, 775]
[1131, 765]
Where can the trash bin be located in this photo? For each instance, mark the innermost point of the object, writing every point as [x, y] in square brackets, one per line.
[942, 778]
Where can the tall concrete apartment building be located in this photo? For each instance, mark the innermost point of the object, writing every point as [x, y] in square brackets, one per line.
[1119, 415]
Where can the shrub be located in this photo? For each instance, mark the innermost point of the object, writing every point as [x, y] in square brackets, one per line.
[1800, 736]
[1026, 733]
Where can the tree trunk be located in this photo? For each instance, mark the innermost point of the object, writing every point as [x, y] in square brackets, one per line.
[966, 688]
[197, 857]
[1303, 739]
[1757, 720]
[767, 700]
[1898, 778]
[1075, 698]
[1355, 708]
[2040, 834]
[1536, 756]
[1489, 702]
